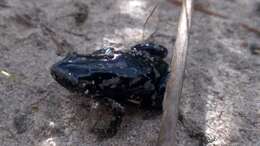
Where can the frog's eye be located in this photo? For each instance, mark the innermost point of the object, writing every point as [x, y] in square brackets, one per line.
[153, 49]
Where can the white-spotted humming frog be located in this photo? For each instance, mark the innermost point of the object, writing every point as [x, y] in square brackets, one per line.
[116, 77]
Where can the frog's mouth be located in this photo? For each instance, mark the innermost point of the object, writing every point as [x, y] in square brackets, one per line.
[65, 78]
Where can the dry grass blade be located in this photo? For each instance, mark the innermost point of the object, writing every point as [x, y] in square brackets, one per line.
[63, 46]
[147, 19]
[251, 29]
[167, 135]
[200, 8]
[205, 10]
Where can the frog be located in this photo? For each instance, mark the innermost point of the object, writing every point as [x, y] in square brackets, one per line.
[117, 78]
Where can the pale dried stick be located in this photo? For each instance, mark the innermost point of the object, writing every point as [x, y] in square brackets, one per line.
[167, 135]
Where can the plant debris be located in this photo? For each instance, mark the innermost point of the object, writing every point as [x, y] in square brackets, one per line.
[82, 13]
[250, 28]
[255, 49]
[63, 47]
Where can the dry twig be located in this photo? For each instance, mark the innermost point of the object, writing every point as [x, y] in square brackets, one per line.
[174, 86]
[203, 9]
[200, 8]
[250, 28]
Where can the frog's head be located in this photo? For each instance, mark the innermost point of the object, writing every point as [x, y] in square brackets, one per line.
[64, 72]
[154, 50]
[75, 68]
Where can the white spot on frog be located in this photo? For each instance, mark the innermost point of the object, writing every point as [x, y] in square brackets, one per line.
[95, 105]
[134, 101]
[83, 85]
[51, 124]
[134, 81]
[113, 86]
[112, 83]
[86, 92]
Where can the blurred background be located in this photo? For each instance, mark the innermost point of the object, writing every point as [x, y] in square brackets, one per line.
[221, 94]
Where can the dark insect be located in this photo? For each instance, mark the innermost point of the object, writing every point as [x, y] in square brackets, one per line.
[116, 77]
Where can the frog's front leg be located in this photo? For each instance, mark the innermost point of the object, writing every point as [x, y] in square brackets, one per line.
[116, 120]
[117, 116]
[158, 100]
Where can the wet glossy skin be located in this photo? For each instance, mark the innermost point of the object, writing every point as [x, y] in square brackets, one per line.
[137, 76]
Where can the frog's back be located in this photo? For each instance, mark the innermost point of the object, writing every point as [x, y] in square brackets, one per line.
[121, 65]
[122, 75]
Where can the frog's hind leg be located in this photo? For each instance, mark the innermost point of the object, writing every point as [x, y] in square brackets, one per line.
[149, 107]
[118, 112]
[156, 100]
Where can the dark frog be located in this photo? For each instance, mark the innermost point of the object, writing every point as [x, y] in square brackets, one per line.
[116, 77]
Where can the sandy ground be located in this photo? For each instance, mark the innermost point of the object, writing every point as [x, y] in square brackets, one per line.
[221, 96]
